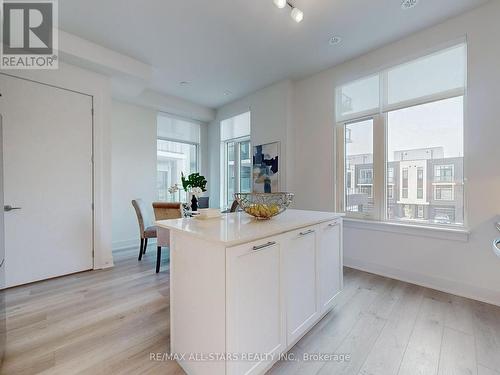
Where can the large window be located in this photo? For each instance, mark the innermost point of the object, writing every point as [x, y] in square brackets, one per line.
[237, 156]
[177, 152]
[407, 152]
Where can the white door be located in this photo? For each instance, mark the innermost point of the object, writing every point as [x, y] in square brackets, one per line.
[2, 236]
[299, 256]
[329, 263]
[254, 313]
[47, 150]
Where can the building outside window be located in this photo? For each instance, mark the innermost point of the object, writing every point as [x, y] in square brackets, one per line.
[419, 133]
[237, 155]
[177, 151]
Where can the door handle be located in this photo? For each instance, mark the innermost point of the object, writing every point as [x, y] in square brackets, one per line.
[8, 208]
[260, 247]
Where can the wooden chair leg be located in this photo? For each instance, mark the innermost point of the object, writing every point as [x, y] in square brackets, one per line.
[145, 245]
[141, 248]
[158, 259]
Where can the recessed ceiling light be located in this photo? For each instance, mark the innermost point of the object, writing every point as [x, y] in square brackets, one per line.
[184, 83]
[408, 4]
[335, 40]
[227, 93]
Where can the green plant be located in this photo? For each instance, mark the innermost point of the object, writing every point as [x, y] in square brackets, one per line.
[194, 180]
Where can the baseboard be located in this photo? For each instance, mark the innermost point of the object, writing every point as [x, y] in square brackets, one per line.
[437, 283]
[130, 244]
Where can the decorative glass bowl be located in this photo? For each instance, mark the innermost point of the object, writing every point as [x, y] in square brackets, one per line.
[264, 205]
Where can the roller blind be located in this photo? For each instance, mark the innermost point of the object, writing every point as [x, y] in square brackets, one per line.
[236, 127]
[437, 76]
[359, 97]
[175, 129]
[434, 75]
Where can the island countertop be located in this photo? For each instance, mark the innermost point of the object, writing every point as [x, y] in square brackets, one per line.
[237, 228]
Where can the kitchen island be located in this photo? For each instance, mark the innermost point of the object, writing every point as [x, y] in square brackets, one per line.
[244, 291]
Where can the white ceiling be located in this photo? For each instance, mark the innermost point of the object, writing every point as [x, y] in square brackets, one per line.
[244, 45]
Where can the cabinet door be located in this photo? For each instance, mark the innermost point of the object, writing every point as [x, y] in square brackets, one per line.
[254, 300]
[329, 263]
[300, 280]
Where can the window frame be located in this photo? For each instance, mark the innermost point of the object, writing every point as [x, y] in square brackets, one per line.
[197, 153]
[446, 186]
[380, 163]
[442, 166]
[378, 191]
[237, 164]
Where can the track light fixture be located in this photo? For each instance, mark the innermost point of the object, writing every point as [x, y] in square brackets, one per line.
[296, 14]
[280, 3]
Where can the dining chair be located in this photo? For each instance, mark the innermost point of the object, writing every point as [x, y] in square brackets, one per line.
[203, 202]
[165, 211]
[146, 229]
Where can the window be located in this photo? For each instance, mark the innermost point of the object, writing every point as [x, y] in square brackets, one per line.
[420, 183]
[404, 183]
[443, 192]
[366, 176]
[359, 162]
[390, 191]
[390, 175]
[443, 173]
[412, 126]
[358, 97]
[177, 149]
[245, 167]
[420, 212]
[236, 146]
[390, 183]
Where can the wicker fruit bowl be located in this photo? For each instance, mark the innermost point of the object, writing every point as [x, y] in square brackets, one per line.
[264, 205]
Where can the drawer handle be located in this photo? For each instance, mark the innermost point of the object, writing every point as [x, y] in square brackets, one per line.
[307, 232]
[260, 247]
[331, 225]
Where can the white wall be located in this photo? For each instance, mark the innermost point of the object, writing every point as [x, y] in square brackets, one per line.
[270, 122]
[133, 133]
[466, 268]
[133, 168]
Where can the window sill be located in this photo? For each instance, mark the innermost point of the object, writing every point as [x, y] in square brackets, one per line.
[451, 234]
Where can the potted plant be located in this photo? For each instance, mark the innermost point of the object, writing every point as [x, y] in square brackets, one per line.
[195, 184]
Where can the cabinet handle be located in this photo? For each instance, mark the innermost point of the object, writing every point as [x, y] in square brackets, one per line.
[331, 225]
[307, 232]
[260, 247]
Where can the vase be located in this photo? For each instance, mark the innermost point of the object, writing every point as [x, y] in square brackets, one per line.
[194, 203]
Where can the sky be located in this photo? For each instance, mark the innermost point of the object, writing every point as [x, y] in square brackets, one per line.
[438, 124]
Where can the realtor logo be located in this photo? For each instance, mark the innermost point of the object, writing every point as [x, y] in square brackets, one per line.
[29, 35]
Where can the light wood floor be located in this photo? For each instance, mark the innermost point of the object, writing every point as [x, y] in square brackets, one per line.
[108, 322]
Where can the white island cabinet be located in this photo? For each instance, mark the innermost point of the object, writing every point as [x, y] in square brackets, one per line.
[244, 291]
